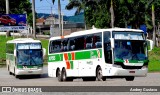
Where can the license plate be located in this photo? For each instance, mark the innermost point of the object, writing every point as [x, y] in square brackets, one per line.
[131, 71]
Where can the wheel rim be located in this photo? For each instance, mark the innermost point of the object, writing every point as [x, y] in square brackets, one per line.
[99, 75]
[64, 76]
[59, 75]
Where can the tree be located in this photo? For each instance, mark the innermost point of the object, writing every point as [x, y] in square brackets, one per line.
[80, 6]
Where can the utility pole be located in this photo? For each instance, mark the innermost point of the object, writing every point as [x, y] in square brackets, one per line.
[34, 21]
[112, 14]
[7, 12]
[154, 26]
[59, 12]
[7, 6]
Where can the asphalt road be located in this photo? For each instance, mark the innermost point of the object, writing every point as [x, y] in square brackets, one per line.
[152, 79]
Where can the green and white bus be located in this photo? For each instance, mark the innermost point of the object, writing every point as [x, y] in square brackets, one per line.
[98, 54]
[24, 56]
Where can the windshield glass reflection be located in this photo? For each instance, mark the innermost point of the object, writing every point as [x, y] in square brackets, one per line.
[131, 50]
[29, 57]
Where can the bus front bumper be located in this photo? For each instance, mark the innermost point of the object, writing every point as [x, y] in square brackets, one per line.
[29, 72]
[129, 72]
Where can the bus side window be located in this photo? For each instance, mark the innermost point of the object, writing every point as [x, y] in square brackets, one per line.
[89, 41]
[51, 47]
[79, 43]
[72, 44]
[97, 40]
[65, 45]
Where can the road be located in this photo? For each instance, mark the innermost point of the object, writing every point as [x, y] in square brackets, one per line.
[152, 79]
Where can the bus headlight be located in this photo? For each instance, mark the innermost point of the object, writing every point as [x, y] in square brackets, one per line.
[117, 66]
[144, 67]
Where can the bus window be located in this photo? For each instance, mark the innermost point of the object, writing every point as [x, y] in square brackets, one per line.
[55, 46]
[72, 44]
[64, 45]
[107, 48]
[79, 43]
[89, 41]
[10, 48]
[97, 40]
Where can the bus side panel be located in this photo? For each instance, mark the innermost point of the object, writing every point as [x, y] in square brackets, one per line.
[11, 62]
[73, 68]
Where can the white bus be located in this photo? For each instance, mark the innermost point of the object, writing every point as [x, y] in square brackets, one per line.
[98, 54]
[24, 56]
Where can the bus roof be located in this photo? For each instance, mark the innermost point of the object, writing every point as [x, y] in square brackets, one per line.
[23, 40]
[96, 30]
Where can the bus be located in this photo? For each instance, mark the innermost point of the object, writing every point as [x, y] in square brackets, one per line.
[24, 56]
[97, 54]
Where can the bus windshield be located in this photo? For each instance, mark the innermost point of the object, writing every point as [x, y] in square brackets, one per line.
[29, 57]
[29, 54]
[130, 49]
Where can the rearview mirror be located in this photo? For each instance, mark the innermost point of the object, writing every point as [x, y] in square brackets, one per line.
[15, 53]
[150, 44]
[44, 52]
[112, 42]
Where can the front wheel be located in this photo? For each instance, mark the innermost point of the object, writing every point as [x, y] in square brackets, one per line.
[130, 78]
[99, 74]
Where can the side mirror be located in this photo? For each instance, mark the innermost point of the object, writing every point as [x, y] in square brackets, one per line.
[112, 42]
[44, 52]
[15, 53]
[150, 44]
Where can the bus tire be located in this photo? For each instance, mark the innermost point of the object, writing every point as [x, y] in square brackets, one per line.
[59, 77]
[64, 75]
[129, 78]
[99, 74]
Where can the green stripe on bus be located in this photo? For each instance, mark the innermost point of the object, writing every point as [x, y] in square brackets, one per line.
[71, 64]
[55, 57]
[80, 55]
[69, 56]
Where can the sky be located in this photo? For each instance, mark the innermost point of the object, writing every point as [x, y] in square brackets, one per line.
[44, 6]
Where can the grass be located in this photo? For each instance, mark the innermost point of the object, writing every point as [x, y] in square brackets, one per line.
[154, 60]
[154, 55]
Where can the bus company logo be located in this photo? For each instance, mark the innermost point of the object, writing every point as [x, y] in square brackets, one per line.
[6, 89]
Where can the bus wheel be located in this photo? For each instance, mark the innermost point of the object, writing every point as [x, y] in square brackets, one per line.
[99, 74]
[64, 76]
[59, 75]
[130, 78]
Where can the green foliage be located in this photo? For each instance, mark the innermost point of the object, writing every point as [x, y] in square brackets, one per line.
[3, 41]
[154, 60]
[126, 12]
